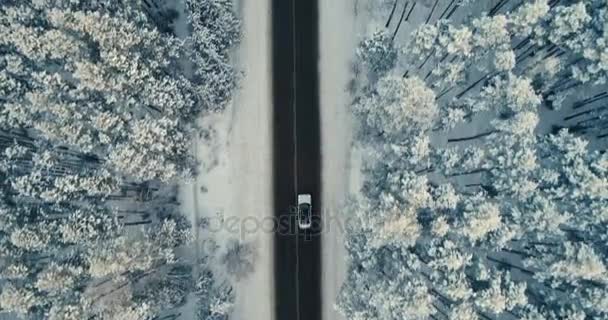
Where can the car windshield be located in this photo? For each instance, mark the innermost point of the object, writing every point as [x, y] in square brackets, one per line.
[304, 211]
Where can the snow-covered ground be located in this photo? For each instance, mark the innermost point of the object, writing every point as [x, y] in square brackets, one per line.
[234, 177]
[337, 43]
[251, 154]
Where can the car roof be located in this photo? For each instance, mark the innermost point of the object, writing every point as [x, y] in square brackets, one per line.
[305, 197]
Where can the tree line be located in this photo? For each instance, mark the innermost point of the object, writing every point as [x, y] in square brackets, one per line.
[507, 223]
[97, 107]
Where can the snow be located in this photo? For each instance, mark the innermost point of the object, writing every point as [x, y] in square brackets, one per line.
[251, 152]
[490, 219]
[235, 170]
[343, 24]
[337, 44]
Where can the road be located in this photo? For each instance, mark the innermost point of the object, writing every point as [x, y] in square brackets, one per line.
[296, 157]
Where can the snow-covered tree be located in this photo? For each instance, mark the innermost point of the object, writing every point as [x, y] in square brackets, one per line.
[215, 299]
[509, 221]
[93, 80]
[238, 258]
[398, 106]
[377, 54]
[19, 300]
[216, 29]
[97, 106]
[382, 287]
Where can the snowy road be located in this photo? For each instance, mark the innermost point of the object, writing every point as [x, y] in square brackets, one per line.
[297, 168]
[245, 175]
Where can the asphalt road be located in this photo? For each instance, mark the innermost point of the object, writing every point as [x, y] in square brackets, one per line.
[297, 163]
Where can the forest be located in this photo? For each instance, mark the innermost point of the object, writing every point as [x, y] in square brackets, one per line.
[98, 101]
[485, 192]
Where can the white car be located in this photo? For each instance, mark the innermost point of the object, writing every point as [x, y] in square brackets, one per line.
[304, 211]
